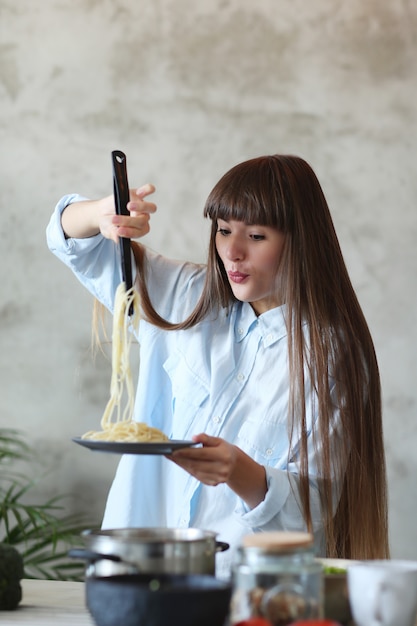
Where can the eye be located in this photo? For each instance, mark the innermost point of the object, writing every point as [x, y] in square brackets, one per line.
[257, 237]
[223, 231]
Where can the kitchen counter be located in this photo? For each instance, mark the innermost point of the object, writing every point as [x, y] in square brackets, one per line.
[49, 603]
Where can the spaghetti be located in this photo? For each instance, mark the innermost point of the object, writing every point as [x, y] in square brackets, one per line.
[117, 423]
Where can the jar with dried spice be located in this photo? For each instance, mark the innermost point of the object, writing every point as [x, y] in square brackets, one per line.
[276, 577]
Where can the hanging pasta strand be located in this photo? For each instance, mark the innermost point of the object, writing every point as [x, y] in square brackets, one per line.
[117, 421]
[121, 378]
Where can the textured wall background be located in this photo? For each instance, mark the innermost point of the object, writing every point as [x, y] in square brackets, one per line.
[187, 89]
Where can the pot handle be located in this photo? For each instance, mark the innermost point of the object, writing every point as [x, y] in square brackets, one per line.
[222, 546]
[91, 556]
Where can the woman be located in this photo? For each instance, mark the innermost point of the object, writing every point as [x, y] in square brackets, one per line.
[263, 356]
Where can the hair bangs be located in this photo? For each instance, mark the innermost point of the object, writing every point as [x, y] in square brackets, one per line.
[249, 193]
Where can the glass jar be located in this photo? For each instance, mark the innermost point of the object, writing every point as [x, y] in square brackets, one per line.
[276, 577]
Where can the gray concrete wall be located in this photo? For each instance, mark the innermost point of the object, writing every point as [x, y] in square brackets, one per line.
[187, 88]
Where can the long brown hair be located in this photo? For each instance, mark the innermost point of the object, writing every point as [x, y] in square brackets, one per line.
[282, 191]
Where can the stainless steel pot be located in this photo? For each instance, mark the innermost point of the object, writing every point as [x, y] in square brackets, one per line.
[150, 550]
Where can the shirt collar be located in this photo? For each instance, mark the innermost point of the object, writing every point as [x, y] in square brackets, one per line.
[270, 325]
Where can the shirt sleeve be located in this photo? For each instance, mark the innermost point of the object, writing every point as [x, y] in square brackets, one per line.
[95, 261]
[281, 509]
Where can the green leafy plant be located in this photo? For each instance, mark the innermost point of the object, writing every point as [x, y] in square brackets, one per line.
[40, 532]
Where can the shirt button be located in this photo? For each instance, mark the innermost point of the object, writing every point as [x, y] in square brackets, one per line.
[240, 331]
[240, 376]
[268, 452]
[270, 337]
[216, 419]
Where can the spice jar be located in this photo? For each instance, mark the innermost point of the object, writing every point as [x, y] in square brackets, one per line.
[276, 577]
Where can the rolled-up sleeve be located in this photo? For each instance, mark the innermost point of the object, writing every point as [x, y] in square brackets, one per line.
[93, 260]
[281, 507]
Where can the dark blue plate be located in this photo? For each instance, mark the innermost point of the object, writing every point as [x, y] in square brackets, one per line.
[120, 447]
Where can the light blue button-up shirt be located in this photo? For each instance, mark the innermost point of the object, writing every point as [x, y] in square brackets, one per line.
[227, 377]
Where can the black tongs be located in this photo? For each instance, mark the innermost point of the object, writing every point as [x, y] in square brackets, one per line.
[121, 196]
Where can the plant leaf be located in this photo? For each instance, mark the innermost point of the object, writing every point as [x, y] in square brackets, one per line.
[41, 532]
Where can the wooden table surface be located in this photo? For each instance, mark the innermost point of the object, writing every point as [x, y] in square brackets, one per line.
[49, 603]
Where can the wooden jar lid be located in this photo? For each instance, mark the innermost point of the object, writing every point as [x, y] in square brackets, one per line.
[278, 540]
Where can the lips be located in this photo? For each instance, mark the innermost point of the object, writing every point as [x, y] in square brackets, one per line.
[237, 277]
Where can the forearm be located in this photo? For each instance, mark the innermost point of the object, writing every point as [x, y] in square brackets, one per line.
[248, 479]
[80, 219]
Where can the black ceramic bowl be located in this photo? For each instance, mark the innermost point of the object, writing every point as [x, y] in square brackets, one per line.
[158, 600]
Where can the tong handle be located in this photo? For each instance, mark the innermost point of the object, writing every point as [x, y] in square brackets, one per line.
[121, 196]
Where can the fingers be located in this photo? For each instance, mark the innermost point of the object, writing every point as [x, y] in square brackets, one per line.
[211, 464]
[132, 227]
[208, 471]
[145, 190]
[136, 224]
[137, 203]
[206, 440]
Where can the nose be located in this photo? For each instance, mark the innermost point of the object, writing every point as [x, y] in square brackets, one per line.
[235, 250]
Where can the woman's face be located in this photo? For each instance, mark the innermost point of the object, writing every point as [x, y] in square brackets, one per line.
[251, 255]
